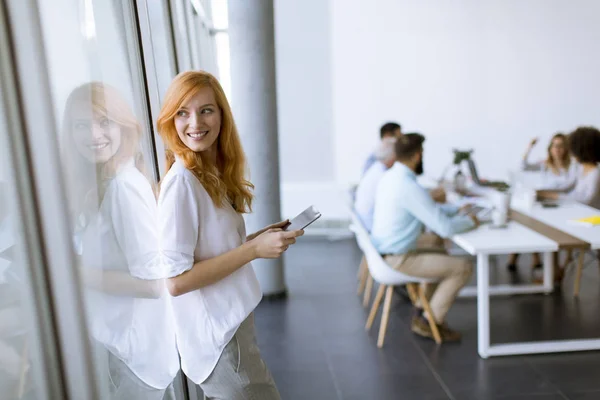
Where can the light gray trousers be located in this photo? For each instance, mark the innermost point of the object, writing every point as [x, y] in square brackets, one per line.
[125, 385]
[241, 373]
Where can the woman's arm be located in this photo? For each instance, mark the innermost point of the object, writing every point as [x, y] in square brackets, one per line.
[526, 165]
[179, 221]
[269, 244]
[120, 283]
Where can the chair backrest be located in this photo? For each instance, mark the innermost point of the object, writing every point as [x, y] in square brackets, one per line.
[379, 269]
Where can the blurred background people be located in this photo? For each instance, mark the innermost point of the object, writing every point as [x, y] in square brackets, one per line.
[584, 145]
[558, 172]
[387, 130]
[403, 208]
[364, 204]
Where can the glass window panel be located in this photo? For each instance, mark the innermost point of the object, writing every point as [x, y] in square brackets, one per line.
[20, 357]
[107, 161]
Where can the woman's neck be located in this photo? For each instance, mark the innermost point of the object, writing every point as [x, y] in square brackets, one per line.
[559, 164]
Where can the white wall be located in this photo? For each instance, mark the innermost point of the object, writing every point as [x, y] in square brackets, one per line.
[305, 109]
[303, 62]
[483, 74]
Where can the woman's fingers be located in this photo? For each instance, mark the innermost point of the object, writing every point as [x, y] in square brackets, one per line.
[293, 234]
[280, 224]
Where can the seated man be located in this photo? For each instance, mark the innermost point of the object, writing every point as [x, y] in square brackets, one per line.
[402, 209]
[364, 204]
[388, 130]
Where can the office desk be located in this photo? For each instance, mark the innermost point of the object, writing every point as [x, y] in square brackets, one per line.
[559, 218]
[486, 241]
[547, 231]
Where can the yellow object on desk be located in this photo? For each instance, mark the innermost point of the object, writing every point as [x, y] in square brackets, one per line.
[589, 221]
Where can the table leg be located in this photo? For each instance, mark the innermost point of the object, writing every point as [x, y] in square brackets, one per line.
[548, 273]
[483, 304]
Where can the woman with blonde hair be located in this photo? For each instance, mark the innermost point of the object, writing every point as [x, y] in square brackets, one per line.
[203, 242]
[558, 173]
[558, 169]
[113, 207]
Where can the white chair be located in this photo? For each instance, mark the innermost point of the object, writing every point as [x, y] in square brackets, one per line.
[387, 278]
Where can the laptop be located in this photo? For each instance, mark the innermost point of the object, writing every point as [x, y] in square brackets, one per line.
[475, 177]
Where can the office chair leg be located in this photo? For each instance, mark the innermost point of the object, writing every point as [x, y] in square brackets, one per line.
[385, 316]
[23, 374]
[363, 278]
[375, 307]
[412, 293]
[578, 272]
[361, 268]
[368, 290]
[430, 317]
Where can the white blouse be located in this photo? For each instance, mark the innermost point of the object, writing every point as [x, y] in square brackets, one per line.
[565, 180]
[587, 190]
[365, 193]
[192, 229]
[130, 320]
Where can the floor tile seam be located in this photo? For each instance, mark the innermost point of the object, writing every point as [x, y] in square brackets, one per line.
[547, 379]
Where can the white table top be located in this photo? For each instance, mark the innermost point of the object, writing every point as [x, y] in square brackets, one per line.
[559, 218]
[515, 238]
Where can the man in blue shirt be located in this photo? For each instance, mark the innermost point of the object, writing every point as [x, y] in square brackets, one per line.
[403, 209]
[387, 130]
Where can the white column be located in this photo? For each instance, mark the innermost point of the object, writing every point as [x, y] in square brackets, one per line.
[252, 49]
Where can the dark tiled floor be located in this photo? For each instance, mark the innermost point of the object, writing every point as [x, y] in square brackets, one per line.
[316, 346]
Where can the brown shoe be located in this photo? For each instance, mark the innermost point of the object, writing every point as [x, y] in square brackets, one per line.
[420, 326]
[447, 334]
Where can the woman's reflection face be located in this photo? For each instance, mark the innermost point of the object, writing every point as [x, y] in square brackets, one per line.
[97, 137]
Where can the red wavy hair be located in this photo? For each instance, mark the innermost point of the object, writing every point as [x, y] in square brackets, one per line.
[225, 181]
[84, 178]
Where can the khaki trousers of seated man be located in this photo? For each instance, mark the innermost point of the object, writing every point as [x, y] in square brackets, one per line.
[430, 260]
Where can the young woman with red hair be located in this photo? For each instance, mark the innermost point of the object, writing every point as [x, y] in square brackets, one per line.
[203, 242]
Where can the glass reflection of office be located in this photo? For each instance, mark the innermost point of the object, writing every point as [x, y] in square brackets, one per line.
[113, 209]
[14, 346]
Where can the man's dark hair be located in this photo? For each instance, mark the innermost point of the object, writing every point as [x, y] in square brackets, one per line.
[389, 128]
[408, 145]
[584, 143]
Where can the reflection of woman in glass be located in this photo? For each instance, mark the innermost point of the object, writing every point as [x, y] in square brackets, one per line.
[204, 245]
[113, 207]
[14, 360]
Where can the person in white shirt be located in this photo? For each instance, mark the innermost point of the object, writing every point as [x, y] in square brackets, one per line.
[584, 144]
[365, 192]
[558, 172]
[203, 242]
[387, 130]
[114, 209]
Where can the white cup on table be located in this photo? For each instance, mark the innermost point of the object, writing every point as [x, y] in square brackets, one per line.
[499, 218]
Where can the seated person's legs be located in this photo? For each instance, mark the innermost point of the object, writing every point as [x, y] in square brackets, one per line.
[453, 274]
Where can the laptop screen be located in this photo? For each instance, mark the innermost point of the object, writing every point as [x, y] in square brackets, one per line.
[473, 171]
